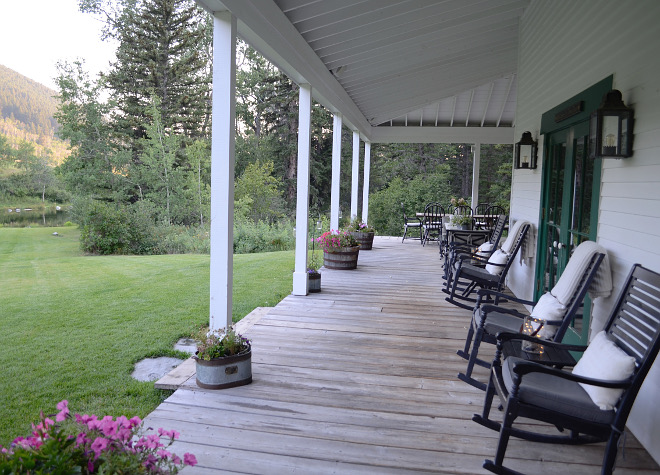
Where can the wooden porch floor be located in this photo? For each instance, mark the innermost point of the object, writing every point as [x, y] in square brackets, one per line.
[361, 378]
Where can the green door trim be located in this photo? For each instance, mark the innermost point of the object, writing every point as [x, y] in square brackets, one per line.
[570, 115]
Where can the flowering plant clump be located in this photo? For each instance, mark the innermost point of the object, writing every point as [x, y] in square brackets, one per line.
[218, 344]
[459, 202]
[357, 226]
[87, 445]
[332, 240]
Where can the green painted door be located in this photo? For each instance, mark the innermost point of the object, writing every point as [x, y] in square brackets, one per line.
[570, 193]
[571, 185]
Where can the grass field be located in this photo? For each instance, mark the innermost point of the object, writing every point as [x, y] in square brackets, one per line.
[72, 326]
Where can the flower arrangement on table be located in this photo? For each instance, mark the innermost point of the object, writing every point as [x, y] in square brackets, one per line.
[357, 226]
[459, 202]
[88, 444]
[333, 240]
[465, 217]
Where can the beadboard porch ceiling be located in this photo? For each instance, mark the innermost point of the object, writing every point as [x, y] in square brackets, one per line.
[397, 70]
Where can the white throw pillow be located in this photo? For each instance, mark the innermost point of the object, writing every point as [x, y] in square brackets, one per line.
[604, 360]
[548, 308]
[498, 257]
[485, 249]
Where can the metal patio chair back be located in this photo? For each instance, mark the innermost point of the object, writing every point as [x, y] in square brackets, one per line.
[410, 223]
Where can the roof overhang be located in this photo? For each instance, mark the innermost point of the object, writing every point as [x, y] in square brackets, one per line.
[396, 70]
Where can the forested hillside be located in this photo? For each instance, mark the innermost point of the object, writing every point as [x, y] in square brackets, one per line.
[26, 115]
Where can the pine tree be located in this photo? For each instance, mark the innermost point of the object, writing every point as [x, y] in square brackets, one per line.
[164, 51]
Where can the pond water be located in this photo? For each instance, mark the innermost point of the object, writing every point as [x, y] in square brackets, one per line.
[28, 217]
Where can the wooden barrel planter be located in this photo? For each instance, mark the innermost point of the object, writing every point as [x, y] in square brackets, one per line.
[343, 258]
[227, 372]
[366, 240]
[314, 282]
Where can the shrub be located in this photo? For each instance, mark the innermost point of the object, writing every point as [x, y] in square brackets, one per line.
[250, 237]
[183, 239]
[112, 229]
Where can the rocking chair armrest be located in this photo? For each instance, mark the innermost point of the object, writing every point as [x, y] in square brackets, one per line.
[493, 293]
[494, 308]
[474, 257]
[506, 336]
[460, 246]
[525, 367]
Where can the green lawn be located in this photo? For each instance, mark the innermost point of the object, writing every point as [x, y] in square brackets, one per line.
[74, 325]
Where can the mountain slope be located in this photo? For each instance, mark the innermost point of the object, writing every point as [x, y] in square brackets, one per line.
[26, 114]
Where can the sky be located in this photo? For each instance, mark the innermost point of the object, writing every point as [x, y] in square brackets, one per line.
[36, 34]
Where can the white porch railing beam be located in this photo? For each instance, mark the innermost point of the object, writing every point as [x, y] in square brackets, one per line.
[336, 171]
[355, 174]
[476, 160]
[300, 281]
[365, 184]
[222, 170]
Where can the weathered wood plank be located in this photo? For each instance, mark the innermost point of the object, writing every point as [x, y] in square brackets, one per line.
[361, 379]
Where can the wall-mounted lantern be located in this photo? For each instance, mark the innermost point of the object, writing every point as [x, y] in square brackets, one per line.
[526, 151]
[611, 128]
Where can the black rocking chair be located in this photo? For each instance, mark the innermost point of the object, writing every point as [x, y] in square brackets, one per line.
[472, 276]
[489, 320]
[462, 248]
[543, 393]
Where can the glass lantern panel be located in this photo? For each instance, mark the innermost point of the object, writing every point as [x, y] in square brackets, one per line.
[525, 155]
[624, 136]
[610, 134]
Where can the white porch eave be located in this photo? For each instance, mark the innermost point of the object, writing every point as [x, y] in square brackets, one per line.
[279, 42]
[484, 135]
[405, 64]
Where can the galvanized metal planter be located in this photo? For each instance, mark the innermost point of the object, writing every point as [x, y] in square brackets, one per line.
[227, 372]
[314, 282]
[366, 240]
[343, 258]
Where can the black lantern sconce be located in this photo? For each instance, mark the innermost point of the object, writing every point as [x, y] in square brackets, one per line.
[611, 128]
[526, 150]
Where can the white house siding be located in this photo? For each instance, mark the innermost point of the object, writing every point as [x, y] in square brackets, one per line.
[565, 47]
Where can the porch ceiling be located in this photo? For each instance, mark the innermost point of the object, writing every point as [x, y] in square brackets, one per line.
[443, 65]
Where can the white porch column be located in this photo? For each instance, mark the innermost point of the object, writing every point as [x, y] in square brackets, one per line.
[300, 284]
[336, 175]
[365, 184]
[222, 169]
[355, 174]
[476, 148]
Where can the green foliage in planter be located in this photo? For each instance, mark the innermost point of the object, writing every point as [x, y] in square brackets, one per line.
[218, 344]
[357, 226]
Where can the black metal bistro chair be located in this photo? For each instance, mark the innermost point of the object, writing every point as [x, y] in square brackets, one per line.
[410, 223]
[432, 222]
[591, 403]
[489, 320]
[485, 219]
[472, 277]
